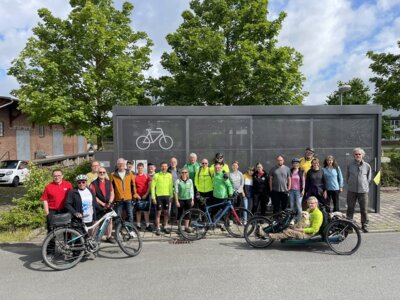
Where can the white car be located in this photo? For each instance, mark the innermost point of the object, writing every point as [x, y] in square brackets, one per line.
[13, 171]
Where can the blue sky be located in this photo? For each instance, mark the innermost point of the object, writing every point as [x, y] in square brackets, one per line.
[332, 35]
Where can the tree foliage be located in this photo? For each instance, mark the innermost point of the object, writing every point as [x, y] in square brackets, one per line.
[358, 94]
[71, 72]
[225, 53]
[386, 67]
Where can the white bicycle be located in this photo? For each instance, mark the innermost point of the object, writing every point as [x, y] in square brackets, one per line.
[143, 142]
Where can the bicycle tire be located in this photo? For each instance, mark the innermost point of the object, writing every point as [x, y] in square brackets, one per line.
[343, 237]
[128, 239]
[143, 142]
[236, 227]
[255, 232]
[197, 224]
[166, 142]
[63, 248]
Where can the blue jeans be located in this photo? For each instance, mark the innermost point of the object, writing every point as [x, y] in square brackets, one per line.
[127, 205]
[295, 202]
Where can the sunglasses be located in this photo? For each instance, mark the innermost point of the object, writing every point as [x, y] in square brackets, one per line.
[80, 182]
[204, 163]
[184, 172]
[102, 172]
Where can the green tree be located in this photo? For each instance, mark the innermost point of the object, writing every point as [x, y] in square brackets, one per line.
[71, 72]
[386, 66]
[225, 53]
[387, 130]
[358, 94]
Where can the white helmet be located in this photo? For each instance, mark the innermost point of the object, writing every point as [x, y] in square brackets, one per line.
[81, 177]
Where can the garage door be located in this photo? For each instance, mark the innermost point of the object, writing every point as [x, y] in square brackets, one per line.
[23, 144]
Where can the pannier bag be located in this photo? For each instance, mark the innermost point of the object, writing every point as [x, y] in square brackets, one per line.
[61, 219]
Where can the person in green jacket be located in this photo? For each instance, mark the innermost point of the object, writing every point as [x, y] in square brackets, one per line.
[203, 183]
[222, 189]
[192, 166]
[316, 220]
[161, 193]
[184, 195]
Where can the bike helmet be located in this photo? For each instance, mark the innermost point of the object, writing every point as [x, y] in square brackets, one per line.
[295, 160]
[81, 177]
[219, 157]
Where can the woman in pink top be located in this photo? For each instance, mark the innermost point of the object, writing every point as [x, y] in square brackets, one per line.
[296, 191]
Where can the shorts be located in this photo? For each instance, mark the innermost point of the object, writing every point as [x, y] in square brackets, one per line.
[162, 203]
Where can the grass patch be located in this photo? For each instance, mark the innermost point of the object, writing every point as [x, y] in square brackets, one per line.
[18, 235]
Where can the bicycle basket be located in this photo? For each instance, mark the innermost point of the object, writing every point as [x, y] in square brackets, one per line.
[61, 219]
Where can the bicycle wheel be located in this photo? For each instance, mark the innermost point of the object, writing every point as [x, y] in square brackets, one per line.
[197, 226]
[63, 248]
[143, 142]
[343, 237]
[235, 225]
[128, 239]
[256, 232]
[166, 142]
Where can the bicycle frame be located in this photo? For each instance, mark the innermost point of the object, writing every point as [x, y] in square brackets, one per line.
[150, 133]
[228, 205]
[105, 220]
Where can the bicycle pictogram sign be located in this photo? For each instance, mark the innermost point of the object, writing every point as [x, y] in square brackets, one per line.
[165, 142]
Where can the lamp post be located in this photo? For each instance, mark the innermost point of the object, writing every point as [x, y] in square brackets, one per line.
[342, 89]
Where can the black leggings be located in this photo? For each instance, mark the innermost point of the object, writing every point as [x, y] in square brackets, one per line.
[334, 197]
[260, 200]
[184, 205]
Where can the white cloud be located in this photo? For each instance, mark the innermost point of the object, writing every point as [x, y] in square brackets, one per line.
[333, 35]
[18, 18]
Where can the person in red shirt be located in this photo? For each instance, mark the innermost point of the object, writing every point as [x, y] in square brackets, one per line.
[104, 192]
[54, 196]
[143, 188]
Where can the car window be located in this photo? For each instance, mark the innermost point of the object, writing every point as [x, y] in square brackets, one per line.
[8, 164]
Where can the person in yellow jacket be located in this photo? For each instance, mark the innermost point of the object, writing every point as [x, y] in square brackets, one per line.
[203, 183]
[124, 186]
[161, 194]
[219, 158]
[316, 220]
[305, 162]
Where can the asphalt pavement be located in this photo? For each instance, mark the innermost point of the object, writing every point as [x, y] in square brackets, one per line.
[223, 268]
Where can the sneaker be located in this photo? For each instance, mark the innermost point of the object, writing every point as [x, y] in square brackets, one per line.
[365, 229]
[189, 230]
[223, 228]
[158, 231]
[149, 228]
[167, 230]
[110, 240]
[138, 227]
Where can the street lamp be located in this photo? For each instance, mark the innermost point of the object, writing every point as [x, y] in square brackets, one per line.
[342, 89]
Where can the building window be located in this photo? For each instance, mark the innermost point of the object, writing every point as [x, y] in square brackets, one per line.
[41, 131]
[1, 128]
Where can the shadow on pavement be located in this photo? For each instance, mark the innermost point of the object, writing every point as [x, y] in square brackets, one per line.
[30, 255]
[318, 248]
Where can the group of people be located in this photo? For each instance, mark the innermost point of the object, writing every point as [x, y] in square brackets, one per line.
[173, 190]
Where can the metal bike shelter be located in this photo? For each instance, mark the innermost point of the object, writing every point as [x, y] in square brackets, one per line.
[249, 134]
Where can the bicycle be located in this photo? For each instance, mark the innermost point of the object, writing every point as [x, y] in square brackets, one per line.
[66, 245]
[200, 221]
[165, 142]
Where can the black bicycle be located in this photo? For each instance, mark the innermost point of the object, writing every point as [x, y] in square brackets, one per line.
[342, 235]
